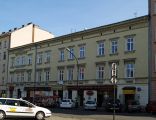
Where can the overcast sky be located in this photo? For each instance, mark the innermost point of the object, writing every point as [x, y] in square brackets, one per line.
[62, 17]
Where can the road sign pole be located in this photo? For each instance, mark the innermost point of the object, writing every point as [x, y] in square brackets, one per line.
[114, 81]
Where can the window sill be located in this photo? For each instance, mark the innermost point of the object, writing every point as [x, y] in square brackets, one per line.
[81, 58]
[61, 60]
[127, 52]
[113, 54]
[100, 56]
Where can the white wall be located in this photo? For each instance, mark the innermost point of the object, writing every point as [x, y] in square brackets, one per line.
[40, 34]
[25, 35]
[22, 36]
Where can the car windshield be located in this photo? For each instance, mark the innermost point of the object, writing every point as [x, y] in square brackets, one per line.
[65, 100]
[90, 102]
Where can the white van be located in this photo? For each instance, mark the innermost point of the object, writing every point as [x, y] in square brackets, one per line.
[11, 107]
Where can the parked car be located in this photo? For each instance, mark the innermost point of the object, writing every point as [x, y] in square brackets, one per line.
[67, 103]
[134, 106]
[110, 105]
[151, 107]
[11, 107]
[90, 105]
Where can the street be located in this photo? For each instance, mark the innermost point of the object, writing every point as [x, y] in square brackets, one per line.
[80, 114]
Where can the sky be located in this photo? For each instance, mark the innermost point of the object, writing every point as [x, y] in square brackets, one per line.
[61, 17]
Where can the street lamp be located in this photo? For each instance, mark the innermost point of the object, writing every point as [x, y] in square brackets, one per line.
[77, 64]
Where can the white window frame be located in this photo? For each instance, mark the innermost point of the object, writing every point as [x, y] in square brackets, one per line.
[114, 46]
[130, 44]
[62, 55]
[22, 76]
[70, 72]
[47, 57]
[61, 74]
[71, 54]
[81, 73]
[11, 77]
[82, 51]
[29, 59]
[101, 48]
[29, 75]
[129, 70]
[47, 75]
[100, 71]
[39, 58]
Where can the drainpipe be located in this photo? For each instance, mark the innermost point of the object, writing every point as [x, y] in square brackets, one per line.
[149, 51]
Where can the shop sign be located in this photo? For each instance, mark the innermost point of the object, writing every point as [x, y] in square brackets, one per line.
[90, 92]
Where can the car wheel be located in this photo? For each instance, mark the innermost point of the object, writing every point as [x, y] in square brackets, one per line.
[40, 116]
[2, 115]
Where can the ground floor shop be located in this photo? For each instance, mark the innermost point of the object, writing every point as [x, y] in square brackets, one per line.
[81, 93]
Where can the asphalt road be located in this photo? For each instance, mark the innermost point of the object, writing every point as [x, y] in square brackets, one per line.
[100, 114]
[80, 114]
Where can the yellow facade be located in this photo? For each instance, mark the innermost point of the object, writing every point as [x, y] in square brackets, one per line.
[90, 39]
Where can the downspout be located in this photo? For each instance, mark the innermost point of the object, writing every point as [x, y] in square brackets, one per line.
[7, 87]
[149, 51]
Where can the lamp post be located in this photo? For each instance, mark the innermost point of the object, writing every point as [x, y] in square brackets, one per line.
[77, 64]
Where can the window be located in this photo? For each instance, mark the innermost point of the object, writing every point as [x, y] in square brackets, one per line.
[100, 72]
[29, 75]
[130, 44]
[39, 58]
[3, 70]
[114, 46]
[71, 53]
[12, 102]
[4, 56]
[11, 77]
[23, 104]
[47, 57]
[17, 61]
[81, 51]
[61, 75]
[29, 59]
[5, 44]
[62, 55]
[39, 76]
[100, 48]
[81, 73]
[0, 56]
[22, 60]
[18, 77]
[70, 74]
[0, 45]
[12, 62]
[22, 77]
[129, 70]
[47, 75]
[2, 101]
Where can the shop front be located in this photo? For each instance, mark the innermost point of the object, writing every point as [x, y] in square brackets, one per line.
[96, 93]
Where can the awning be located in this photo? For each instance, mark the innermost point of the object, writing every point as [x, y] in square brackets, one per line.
[129, 90]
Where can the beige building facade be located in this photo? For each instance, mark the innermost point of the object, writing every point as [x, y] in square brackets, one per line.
[26, 34]
[78, 65]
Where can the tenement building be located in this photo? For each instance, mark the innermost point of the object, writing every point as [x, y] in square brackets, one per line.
[26, 34]
[78, 65]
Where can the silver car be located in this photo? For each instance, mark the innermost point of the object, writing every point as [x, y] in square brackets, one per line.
[90, 105]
